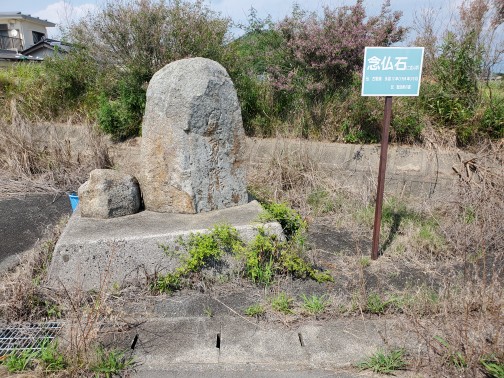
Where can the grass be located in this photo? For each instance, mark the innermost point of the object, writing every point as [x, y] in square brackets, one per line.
[282, 303]
[255, 311]
[110, 363]
[47, 357]
[492, 367]
[385, 362]
[34, 153]
[315, 304]
[377, 304]
[20, 361]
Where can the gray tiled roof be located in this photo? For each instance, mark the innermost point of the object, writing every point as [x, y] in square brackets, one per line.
[18, 15]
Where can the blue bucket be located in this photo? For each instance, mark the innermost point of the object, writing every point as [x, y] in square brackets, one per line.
[74, 200]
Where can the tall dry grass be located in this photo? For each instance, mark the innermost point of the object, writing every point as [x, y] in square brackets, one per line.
[36, 157]
[467, 331]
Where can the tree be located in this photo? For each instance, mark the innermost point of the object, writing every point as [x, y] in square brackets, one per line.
[326, 51]
[132, 39]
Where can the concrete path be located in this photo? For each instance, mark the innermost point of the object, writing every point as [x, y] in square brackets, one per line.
[23, 221]
[231, 346]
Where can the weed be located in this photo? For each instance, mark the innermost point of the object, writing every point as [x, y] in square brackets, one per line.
[365, 261]
[167, 283]
[21, 360]
[260, 257]
[47, 356]
[53, 310]
[293, 263]
[282, 303]
[264, 257]
[255, 310]
[454, 357]
[50, 357]
[208, 311]
[288, 255]
[201, 250]
[111, 362]
[385, 362]
[423, 302]
[321, 202]
[315, 304]
[492, 367]
[375, 304]
[429, 238]
[291, 221]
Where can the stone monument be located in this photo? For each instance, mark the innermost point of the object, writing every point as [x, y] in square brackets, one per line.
[192, 140]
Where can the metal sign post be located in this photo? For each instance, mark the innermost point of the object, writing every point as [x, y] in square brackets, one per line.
[381, 177]
[389, 71]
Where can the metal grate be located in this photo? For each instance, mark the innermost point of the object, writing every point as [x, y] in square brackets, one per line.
[26, 336]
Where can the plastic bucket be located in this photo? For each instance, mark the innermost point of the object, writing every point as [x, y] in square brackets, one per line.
[74, 200]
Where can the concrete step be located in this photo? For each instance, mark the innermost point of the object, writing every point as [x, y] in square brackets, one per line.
[229, 346]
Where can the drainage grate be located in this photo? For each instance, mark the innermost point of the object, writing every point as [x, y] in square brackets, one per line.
[26, 336]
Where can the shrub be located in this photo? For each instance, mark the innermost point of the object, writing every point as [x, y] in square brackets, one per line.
[291, 221]
[129, 56]
[72, 80]
[120, 112]
[325, 52]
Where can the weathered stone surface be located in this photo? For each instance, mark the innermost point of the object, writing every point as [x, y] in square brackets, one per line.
[109, 194]
[192, 140]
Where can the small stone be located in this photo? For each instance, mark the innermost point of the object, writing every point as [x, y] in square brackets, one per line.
[109, 194]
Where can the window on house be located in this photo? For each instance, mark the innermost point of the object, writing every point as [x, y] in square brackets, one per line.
[37, 37]
[4, 30]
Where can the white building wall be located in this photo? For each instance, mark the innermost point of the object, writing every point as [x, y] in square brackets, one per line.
[24, 28]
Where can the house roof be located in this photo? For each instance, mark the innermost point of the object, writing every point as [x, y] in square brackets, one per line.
[19, 15]
[13, 56]
[47, 43]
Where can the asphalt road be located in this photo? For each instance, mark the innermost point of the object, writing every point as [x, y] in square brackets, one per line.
[24, 220]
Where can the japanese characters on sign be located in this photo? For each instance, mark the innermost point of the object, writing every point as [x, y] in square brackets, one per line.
[392, 71]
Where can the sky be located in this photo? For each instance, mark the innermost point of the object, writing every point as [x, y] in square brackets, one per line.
[60, 12]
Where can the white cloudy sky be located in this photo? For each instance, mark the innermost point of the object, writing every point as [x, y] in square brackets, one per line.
[61, 11]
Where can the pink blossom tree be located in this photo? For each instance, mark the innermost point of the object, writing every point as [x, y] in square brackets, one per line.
[325, 51]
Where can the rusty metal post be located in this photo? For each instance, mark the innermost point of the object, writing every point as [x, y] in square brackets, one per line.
[381, 177]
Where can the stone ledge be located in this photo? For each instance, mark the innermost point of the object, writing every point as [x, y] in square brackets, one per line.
[94, 254]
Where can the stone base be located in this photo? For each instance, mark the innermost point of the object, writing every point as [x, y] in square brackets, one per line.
[95, 254]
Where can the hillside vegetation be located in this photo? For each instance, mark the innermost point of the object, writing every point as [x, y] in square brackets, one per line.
[299, 77]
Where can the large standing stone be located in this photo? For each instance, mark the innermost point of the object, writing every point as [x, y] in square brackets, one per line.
[192, 140]
[109, 194]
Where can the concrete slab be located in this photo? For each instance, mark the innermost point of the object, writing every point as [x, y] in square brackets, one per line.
[188, 347]
[161, 343]
[101, 253]
[245, 343]
[343, 343]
